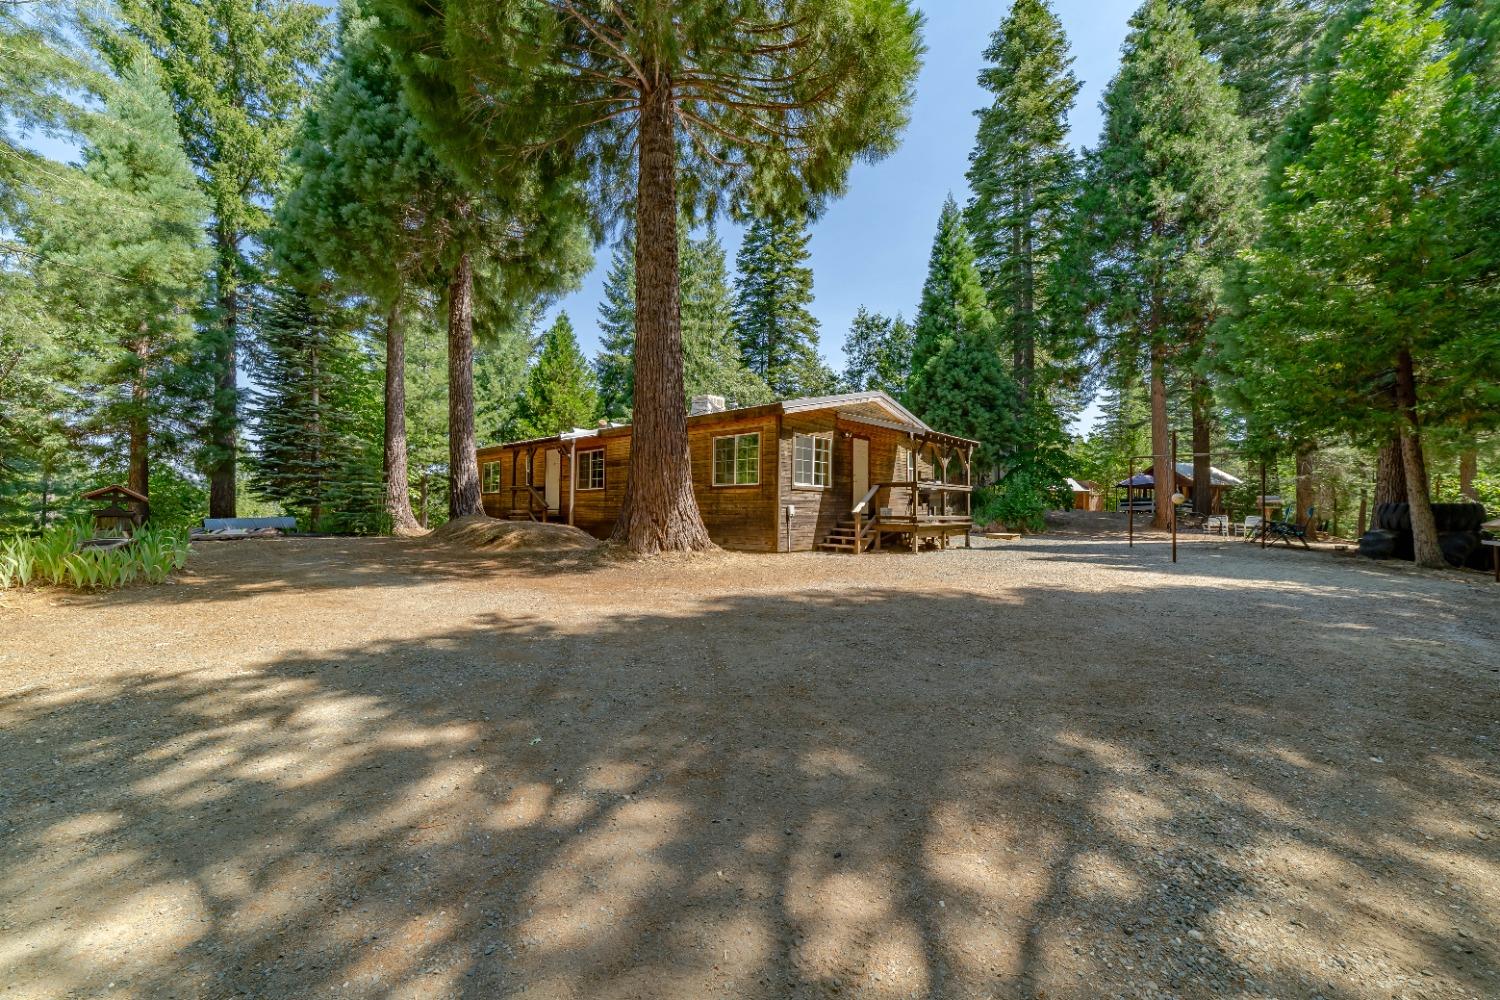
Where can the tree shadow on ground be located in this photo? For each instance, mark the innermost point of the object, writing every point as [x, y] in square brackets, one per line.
[886, 794]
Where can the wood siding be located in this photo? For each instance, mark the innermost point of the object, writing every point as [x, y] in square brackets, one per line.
[737, 517]
[745, 518]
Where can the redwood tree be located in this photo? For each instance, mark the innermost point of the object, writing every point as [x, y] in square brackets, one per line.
[757, 104]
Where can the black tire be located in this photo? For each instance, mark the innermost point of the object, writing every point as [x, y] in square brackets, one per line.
[1457, 546]
[1378, 544]
[1393, 517]
[1458, 516]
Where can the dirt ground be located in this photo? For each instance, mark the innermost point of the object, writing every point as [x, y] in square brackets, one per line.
[1054, 768]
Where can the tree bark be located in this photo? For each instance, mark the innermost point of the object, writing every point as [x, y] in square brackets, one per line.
[1203, 480]
[139, 478]
[1390, 474]
[1423, 523]
[1305, 492]
[1468, 471]
[1164, 477]
[659, 512]
[464, 497]
[397, 477]
[224, 422]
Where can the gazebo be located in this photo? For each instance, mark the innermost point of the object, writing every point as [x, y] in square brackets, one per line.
[1144, 482]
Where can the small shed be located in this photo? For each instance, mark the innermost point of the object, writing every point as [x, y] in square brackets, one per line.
[125, 510]
[1086, 495]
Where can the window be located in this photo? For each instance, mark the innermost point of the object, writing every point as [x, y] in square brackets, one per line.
[812, 460]
[491, 477]
[591, 470]
[737, 460]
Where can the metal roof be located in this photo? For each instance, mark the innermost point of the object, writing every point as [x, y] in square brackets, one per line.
[875, 396]
[1217, 477]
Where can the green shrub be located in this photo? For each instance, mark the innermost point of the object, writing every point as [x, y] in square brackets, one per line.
[1021, 501]
[54, 558]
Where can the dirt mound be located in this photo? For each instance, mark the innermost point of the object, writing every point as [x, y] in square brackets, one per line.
[480, 532]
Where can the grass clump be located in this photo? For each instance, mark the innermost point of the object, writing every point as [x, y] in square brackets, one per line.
[54, 558]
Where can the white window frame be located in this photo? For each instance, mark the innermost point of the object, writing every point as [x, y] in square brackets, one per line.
[713, 459]
[822, 448]
[583, 464]
[484, 478]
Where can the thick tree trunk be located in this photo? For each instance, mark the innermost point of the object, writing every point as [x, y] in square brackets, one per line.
[1163, 475]
[1305, 492]
[464, 497]
[397, 479]
[140, 428]
[1468, 471]
[659, 512]
[1390, 474]
[224, 421]
[1423, 523]
[1203, 480]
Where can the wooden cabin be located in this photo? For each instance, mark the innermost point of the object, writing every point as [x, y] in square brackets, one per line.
[848, 473]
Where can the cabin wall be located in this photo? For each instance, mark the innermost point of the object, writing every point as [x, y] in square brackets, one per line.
[818, 510]
[737, 517]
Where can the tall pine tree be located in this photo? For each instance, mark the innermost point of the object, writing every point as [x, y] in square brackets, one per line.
[877, 354]
[559, 394]
[123, 257]
[314, 389]
[777, 332]
[1170, 202]
[1024, 177]
[958, 381]
[238, 72]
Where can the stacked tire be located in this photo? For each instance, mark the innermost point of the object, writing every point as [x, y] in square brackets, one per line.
[1458, 528]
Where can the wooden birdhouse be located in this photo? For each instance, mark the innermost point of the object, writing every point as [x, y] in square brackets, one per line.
[125, 510]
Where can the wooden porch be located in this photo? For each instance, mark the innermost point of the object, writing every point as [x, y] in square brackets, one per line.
[931, 511]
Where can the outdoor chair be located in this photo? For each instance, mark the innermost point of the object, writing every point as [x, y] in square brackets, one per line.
[1288, 531]
[1250, 527]
[1217, 524]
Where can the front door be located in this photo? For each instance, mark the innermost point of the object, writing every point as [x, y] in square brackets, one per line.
[861, 469]
[554, 479]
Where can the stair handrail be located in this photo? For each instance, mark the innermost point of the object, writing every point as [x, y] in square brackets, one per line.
[861, 526]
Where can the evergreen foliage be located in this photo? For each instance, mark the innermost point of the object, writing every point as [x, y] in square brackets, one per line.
[953, 299]
[1169, 203]
[711, 356]
[1024, 176]
[559, 394]
[317, 452]
[776, 330]
[1265, 51]
[1368, 306]
[877, 354]
[758, 105]
[239, 73]
[958, 381]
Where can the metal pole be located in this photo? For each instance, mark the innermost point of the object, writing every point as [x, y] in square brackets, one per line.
[1263, 531]
[1130, 504]
[1172, 497]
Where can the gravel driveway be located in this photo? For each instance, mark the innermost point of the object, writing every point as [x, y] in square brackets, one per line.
[1053, 768]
